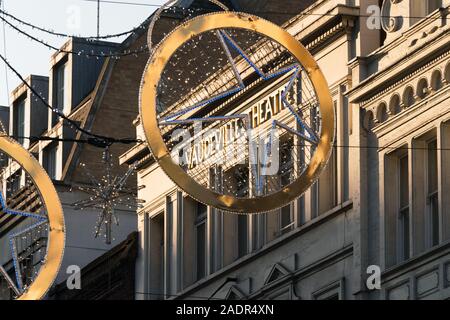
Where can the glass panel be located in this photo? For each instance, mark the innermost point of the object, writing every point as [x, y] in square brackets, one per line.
[404, 208]
[50, 160]
[404, 233]
[433, 192]
[201, 210]
[20, 121]
[286, 219]
[60, 92]
[201, 251]
[434, 210]
[242, 235]
[432, 167]
[404, 182]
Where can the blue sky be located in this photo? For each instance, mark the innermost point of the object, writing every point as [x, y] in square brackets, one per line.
[67, 16]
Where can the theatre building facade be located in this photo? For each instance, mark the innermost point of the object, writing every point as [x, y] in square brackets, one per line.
[380, 204]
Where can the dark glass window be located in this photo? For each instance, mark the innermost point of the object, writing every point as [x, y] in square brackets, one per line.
[60, 90]
[50, 159]
[433, 205]
[404, 209]
[19, 120]
[201, 240]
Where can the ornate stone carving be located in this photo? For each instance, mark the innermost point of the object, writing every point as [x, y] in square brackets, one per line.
[389, 22]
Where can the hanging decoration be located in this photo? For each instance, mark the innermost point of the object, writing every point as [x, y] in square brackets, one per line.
[108, 194]
[32, 235]
[237, 112]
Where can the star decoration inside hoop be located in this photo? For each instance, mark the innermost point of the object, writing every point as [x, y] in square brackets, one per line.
[227, 42]
[18, 286]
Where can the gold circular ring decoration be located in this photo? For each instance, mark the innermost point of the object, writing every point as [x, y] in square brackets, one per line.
[53, 219]
[313, 137]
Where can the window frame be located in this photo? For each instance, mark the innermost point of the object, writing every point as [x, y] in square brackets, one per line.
[201, 222]
[403, 223]
[432, 196]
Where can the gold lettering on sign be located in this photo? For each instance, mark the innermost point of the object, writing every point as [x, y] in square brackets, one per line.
[217, 140]
[265, 109]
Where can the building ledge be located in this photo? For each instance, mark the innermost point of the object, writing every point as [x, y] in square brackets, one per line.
[336, 211]
[416, 261]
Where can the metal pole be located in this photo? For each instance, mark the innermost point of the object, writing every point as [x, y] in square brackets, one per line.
[98, 19]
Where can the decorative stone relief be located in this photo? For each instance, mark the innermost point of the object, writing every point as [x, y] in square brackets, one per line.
[390, 22]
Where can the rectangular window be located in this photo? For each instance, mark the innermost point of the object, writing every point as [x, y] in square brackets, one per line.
[155, 252]
[19, 120]
[286, 214]
[403, 230]
[242, 235]
[333, 291]
[13, 183]
[420, 9]
[50, 160]
[60, 90]
[200, 227]
[432, 194]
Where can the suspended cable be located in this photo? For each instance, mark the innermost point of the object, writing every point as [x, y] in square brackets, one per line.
[126, 3]
[2, 6]
[65, 35]
[114, 55]
[95, 140]
[28, 24]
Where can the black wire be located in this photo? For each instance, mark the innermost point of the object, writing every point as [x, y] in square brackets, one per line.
[131, 141]
[88, 140]
[65, 35]
[143, 49]
[154, 5]
[95, 139]
[126, 3]
[280, 12]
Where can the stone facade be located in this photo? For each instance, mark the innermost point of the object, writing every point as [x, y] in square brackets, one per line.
[368, 211]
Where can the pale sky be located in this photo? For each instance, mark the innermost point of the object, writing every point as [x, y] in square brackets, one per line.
[67, 16]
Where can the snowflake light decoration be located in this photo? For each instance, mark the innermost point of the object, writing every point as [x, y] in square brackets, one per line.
[106, 194]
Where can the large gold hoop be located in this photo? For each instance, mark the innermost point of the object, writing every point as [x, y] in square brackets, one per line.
[148, 96]
[56, 233]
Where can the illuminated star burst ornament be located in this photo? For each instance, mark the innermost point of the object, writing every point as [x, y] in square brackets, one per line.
[107, 194]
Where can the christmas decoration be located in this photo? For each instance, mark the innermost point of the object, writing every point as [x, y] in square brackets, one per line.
[31, 225]
[107, 194]
[209, 140]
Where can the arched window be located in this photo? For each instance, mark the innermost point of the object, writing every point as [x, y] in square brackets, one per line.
[436, 80]
[369, 122]
[447, 73]
[394, 104]
[382, 114]
[408, 97]
[422, 88]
